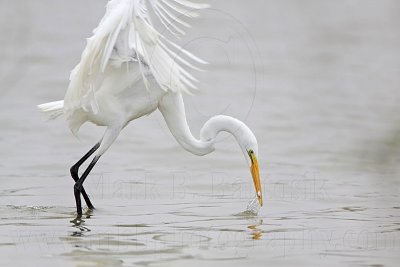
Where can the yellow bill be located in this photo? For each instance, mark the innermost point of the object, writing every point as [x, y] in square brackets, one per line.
[256, 176]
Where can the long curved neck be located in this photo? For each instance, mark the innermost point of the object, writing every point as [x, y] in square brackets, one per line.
[173, 110]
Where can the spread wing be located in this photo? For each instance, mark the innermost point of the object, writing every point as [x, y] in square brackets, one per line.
[126, 33]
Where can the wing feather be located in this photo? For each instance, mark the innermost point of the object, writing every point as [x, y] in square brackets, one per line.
[126, 33]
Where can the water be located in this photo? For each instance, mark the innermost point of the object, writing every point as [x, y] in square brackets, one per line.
[317, 82]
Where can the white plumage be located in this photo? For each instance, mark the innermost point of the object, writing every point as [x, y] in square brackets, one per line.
[125, 34]
[129, 69]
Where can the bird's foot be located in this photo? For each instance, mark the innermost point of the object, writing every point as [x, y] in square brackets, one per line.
[89, 212]
[90, 206]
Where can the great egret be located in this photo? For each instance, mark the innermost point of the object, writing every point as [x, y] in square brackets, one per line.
[128, 69]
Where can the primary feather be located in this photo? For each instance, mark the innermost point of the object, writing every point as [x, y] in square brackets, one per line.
[126, 33]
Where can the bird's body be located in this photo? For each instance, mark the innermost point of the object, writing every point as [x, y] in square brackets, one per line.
[129, 70]
[121, 98]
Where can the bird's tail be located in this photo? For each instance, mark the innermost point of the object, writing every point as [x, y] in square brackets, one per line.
[52, 109]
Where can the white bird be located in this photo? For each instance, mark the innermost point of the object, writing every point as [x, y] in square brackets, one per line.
[129, 69]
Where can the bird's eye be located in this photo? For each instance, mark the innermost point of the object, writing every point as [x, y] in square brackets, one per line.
[251, 155]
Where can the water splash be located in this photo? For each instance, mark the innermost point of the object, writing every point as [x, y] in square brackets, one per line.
[253, 207]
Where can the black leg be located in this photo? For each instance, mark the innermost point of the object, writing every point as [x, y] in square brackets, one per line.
[78, 187]
[74, 173]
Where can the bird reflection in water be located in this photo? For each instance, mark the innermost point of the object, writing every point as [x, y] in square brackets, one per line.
[79, 224]
[256, 233]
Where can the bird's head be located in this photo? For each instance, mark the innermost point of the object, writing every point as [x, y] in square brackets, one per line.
[245, 138]
[256, 174]
[249, 147]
